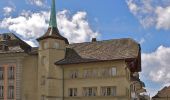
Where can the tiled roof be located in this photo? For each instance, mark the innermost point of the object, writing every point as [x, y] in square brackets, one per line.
[101, 51]
[164, 93]
[53, 33]
[14, 44]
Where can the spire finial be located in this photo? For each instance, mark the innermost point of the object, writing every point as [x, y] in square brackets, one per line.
[53, 22]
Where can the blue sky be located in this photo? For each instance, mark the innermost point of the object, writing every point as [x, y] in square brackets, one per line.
[146, 21]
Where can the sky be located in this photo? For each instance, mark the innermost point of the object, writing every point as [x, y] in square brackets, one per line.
[146, 21]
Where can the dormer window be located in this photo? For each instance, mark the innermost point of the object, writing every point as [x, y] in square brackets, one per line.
[6, 37]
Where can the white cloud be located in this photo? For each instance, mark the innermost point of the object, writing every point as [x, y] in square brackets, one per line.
[151, 13]
[27, 25]
[158, 64]
[142, 40]
[75, 28]
[32, 25]
[163, 20]
[37, 2]
[8, 10]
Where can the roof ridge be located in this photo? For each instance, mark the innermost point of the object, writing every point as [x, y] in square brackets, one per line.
[106, 41]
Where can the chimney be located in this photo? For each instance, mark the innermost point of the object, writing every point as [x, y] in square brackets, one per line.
[94, 39]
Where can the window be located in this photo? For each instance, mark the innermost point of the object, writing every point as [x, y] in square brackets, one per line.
[108, 91]
[44, 60]
[42, 80]
[90, 91]
[11, 72]
[46, 45]
[105, 72]
[7, 90]
[72, 92]
[113, 71]
[11, 92]
[108, 72]
[43, 97]
[56, 45]
[94, 73]
[87, 73]
[1, 92]
[90, 73]
[73, 74]
[1, 73]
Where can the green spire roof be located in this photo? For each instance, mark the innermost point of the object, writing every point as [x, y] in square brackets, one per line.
[53, 22]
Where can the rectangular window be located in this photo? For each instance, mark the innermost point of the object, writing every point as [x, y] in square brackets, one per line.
[113, 71]
[108, 72]
[73, 74]
[1, 92]
[1, 73]
[108, 91]
[43, 80]
[72, 92]
[11, 92]
[90, 73]
[94, 73]
[11, 72]
[87, 73]
[105, 72]
[43, 97]
[90, 91]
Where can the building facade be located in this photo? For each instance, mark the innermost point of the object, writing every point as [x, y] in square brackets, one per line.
[57, 70]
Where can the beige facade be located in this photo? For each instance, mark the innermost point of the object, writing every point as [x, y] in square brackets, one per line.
[57, 70]
[119, 79]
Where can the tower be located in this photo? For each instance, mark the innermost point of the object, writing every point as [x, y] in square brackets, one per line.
[51, 49]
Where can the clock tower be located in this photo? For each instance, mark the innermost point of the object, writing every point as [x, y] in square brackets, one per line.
[52, 47]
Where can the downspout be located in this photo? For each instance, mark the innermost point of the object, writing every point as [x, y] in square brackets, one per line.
[63, 81]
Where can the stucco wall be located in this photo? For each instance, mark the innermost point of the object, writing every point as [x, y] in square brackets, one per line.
[29, 78]
[121, 80]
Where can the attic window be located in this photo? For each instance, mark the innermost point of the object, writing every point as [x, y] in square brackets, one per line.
[6, 37]
[4, 47]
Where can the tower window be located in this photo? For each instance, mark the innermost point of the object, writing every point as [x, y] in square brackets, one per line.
[56, 45]
[43, 97]
[46, 45]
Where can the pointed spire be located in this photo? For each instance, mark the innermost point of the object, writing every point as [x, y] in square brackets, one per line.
[53, 31]
[53, 22]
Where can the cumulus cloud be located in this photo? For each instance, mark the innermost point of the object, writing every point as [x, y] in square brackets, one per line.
[156, 66]
[151, 13]
[8, 10]
[32, 25]
[37, 2]
[28, 25]
[163, 20]
[75, 28]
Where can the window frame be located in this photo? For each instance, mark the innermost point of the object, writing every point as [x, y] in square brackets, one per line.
[72, 92]
[89, 91]
[108, 91]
